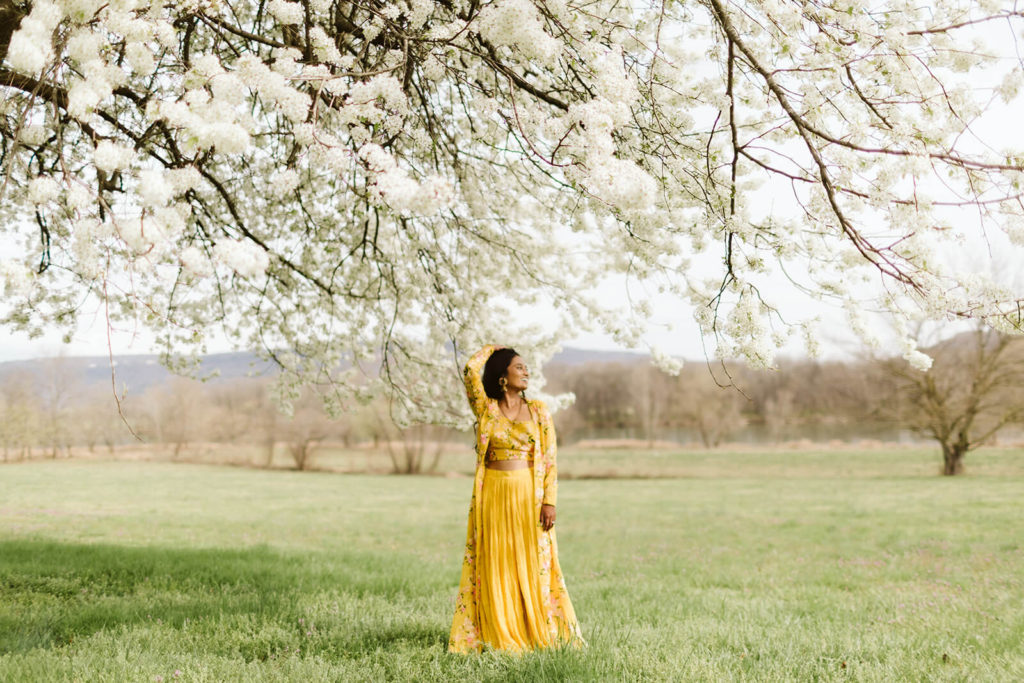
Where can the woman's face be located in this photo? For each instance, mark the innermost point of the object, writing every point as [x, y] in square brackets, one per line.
[517, 377]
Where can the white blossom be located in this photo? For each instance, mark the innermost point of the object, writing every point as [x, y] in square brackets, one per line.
[140, 57]
[154, 190]
[196, 262]
[87, 252]
[325, 48]
[226, 138]
[621, 183]
[165, 34]
[137, 234]
[78, 197]
[207, 65]
[432, 68]
[168, 222]
[917, 359]
[16, 278]
[30, 48]
[666, 363]
[82, 99]
[81, 10]
[110, 156]
[517, 23]
[284, 182]
[611, 80]
[243, 257]
[228, 88]
[43, 189]
[183, 179]
[33, 134]
[286, 12]
[84, 45]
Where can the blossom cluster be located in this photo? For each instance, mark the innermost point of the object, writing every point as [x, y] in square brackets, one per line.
[31, 47]
[517, 24]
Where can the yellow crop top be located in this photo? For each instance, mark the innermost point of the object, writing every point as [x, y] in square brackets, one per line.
[513, 440]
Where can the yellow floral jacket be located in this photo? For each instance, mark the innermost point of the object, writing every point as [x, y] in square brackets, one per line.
[561, 619]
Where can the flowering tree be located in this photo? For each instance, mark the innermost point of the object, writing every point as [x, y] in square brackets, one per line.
[377, 182]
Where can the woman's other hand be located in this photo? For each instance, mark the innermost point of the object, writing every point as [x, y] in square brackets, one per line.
[547, 517]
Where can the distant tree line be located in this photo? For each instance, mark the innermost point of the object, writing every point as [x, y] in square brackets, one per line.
[974, 389]
[714, 402]
[48, 413]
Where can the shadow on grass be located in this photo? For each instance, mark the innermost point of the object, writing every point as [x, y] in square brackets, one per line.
[52, 593]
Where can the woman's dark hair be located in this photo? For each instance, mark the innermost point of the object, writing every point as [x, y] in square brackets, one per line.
[494, 369]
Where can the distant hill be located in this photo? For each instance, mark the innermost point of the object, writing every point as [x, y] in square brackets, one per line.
[140, 372]
[574, 356]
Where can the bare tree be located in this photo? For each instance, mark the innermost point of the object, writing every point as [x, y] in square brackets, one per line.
[780, 413]
[306, 430]
[652, 389]
[179, 408]
[59, 388]
[267, 425]
[973, 389]
[713, 410]
[605, 392]
[19, 424]
[234, 409]
[97, 421]
[417, 450]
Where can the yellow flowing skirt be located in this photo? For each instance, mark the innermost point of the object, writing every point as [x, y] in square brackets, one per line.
[510, 609]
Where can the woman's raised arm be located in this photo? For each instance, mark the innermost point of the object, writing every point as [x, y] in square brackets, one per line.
[472, 375]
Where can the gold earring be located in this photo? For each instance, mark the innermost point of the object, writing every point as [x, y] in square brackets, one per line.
[502, 382]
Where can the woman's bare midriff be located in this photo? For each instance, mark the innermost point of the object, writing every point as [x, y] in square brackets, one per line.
[508, 464]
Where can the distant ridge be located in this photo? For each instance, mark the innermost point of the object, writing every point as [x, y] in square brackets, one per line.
[574, 356]
[140, 372]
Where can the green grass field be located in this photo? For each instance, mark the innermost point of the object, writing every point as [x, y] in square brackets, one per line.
[808, 566]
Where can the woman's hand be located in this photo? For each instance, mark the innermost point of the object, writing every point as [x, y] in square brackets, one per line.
[547, 517]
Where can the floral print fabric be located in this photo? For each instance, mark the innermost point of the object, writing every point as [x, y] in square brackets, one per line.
[512, 439]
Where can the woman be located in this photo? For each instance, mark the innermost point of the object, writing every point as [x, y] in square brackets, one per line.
[512, 595]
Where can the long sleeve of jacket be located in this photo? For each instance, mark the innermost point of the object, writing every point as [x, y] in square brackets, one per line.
[472, 376]
[551, 474]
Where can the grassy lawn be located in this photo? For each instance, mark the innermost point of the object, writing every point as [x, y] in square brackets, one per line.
[813, 566]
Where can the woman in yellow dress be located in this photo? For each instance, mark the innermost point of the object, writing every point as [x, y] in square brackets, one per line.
[512, 595]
